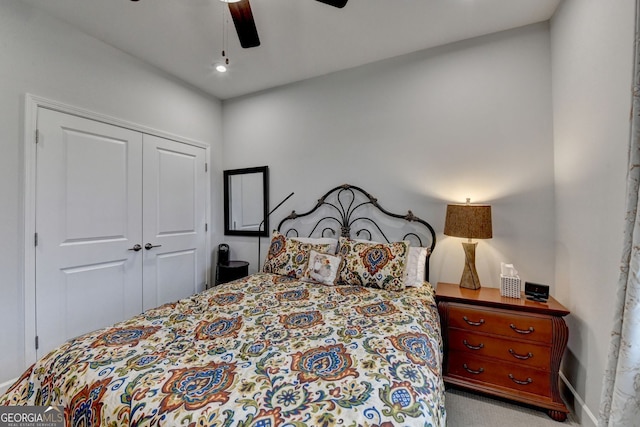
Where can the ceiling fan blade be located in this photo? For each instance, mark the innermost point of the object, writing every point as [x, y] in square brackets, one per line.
[334, 3]
[244, 23]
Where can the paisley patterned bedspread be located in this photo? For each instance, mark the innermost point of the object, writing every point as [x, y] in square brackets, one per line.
[266, 350]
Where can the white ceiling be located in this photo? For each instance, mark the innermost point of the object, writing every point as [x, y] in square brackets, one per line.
[299, 38]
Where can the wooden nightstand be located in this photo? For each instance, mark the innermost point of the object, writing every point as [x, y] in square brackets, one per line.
[506, 347]
[231, 271]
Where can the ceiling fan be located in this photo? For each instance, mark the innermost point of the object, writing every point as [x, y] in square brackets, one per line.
[246, 26]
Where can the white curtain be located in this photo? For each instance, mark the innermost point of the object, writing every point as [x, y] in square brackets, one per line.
[620, 402]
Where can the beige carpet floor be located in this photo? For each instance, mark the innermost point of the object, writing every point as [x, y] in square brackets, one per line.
[466, 409]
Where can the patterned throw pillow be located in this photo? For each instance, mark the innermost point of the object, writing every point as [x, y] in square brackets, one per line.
[323, 268]
[379, 265]
[288, 257]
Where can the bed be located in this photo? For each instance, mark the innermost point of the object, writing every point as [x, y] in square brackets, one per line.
[339, 328]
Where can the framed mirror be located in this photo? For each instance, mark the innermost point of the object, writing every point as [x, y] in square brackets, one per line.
[246, 201]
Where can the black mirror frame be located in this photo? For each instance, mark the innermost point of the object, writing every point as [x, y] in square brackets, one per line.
[264, 229]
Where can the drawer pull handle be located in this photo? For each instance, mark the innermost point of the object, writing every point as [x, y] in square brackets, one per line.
[525, 382]
[521, 331]
[472, 347]
[472, 323]
[520, 356]
[471, 371]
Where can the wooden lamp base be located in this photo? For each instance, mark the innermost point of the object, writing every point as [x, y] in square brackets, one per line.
[469, 278]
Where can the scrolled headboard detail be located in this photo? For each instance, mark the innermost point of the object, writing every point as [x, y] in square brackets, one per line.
[350, 211]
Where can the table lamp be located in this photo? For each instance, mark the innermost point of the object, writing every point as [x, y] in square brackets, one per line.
[471, 222]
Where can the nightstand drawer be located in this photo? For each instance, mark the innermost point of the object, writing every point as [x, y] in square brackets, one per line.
[512, 376]
[518, 352]
[501, 322]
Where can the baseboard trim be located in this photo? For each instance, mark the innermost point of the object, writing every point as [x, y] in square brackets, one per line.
[5, 385]
[584, 409]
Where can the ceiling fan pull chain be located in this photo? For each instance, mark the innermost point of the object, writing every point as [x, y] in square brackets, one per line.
[222, 67]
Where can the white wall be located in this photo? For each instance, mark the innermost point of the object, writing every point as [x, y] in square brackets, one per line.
[45, 57]
[471, 119]
[592, 53]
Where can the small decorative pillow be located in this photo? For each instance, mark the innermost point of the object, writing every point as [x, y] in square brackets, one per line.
[289, 257]
[379, 265]
[323, 268]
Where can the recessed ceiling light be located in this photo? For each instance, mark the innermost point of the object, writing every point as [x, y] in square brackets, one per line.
[221, 68]
[229, 1]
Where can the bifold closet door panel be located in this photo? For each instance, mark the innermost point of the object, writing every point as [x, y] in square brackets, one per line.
[88, 221]
[174, 220]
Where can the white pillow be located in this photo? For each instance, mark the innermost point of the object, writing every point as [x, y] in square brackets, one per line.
[414, 271]
[323, 268]
[333, 243]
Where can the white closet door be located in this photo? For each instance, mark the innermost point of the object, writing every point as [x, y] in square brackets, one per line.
[174, 221]
[88, 217]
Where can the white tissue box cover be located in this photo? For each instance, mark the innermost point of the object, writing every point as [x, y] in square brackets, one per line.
[510, 286]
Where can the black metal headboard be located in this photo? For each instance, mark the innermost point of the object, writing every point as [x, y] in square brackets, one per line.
[349, 209]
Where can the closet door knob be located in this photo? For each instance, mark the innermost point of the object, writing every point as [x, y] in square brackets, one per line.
[135, 247]
[149, 246]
